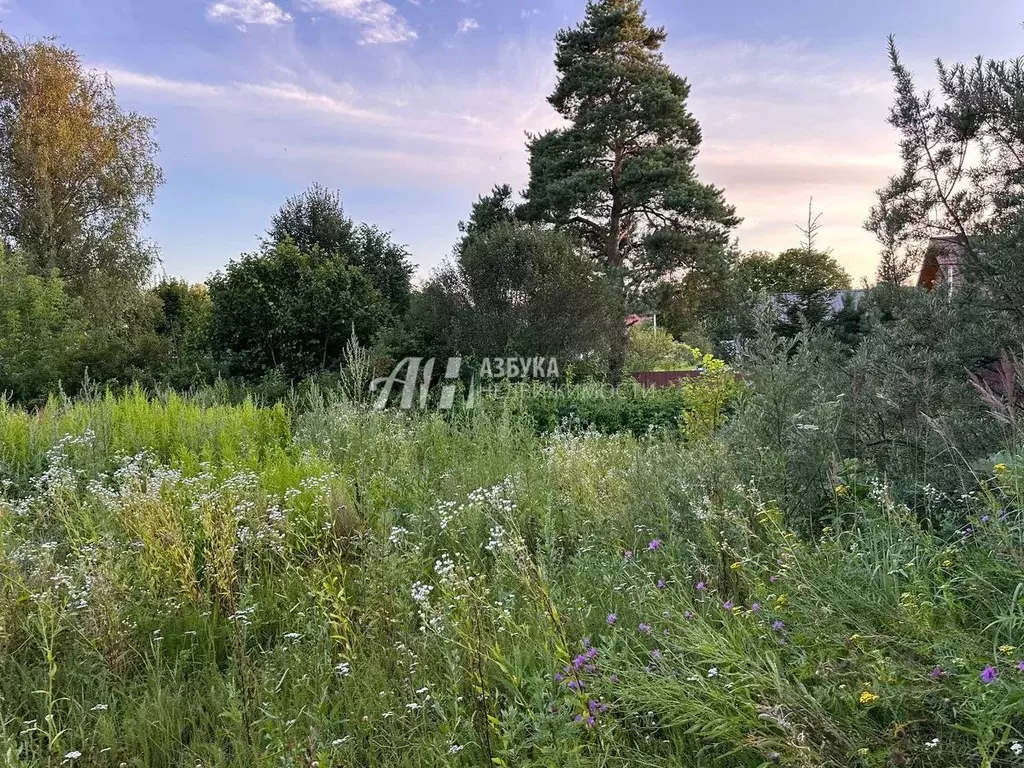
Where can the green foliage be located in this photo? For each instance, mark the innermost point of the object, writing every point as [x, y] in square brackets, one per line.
[293, 311]
[190, 583]
[316, 220]
[517, 289]
[601, 408]
[40, 334]
[651, 349]
[76, 172]
[962, 177]
[621, 173]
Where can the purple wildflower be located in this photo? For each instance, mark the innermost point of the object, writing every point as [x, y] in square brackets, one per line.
[968, 531]
[575, 685]
[755, 607]
[986, 518]
[591, 652]
[592, 705]
[645, 628]
[590, 669]
[778, 626]
[989, 674]
[1020, 666]
[612, 618]
[590, 722]
[655, 544]
[613, 679]
[559, 677]
[661, 583]
[701, 586]
[628, 554]
[687, 615]
[936, 673]
[773, 578]
[585, 642]
[727, 605]
[578, 718]
[656, 654]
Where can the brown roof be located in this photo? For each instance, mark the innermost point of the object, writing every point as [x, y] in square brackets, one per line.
[942, 253]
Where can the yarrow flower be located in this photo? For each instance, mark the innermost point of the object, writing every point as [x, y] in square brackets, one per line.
[1017, 748]
[931, 744]
[989, 674]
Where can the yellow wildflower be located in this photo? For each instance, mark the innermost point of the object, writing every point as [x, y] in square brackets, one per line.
[868, 698]
[947, 563]
[841, 490]
[1000, 468]
[736, 566]
[1007, 649]
[780, 600]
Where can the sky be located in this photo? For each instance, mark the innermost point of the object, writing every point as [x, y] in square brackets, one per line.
[414, 108]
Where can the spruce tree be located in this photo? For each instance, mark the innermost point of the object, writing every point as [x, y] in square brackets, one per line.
[621, 173]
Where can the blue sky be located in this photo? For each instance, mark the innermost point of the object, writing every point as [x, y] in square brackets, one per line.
[412, 108]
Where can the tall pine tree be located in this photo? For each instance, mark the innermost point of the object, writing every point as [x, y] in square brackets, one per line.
[621, 173]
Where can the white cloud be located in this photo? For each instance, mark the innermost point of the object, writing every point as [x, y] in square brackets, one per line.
[248, 12]
[465, 25]
[380, 21]
[781, 124]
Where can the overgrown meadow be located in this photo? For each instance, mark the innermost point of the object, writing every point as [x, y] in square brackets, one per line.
[184, 583]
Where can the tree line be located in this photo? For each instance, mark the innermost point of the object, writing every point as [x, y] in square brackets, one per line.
[614, 221]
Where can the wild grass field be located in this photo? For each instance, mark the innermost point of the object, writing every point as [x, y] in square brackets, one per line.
[190, 584]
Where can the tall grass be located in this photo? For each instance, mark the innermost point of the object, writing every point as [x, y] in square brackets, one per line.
[188, 584]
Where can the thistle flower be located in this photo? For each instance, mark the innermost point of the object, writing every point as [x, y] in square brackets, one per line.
[989, 674]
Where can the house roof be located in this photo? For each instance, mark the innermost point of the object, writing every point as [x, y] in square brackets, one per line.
[941, 254]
